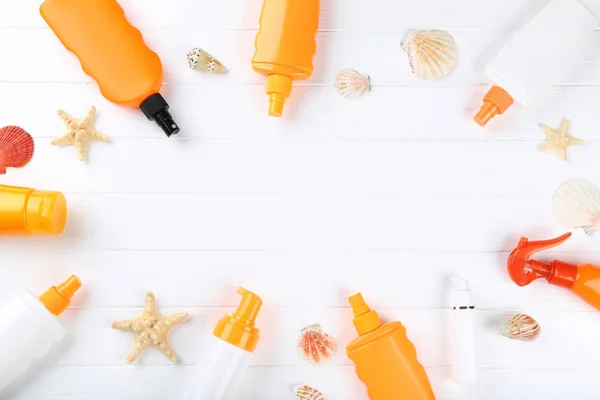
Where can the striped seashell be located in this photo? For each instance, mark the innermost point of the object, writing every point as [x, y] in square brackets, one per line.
[316, 346]
[432, 54]
[521, 327]
[306, 392]
[351, 84]
[16, 148]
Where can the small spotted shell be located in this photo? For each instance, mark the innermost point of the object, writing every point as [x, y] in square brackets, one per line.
[306, 392]
[200, 60]
[521, 327]
[316, 346]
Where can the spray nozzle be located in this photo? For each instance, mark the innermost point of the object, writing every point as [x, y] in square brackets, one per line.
[495, 102]
[523, 271]
[58, 298]
[365, 319]
[238, 328]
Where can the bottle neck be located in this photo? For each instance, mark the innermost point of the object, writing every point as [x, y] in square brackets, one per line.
[562, 274]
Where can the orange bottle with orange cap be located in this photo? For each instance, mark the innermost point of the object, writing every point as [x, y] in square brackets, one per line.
[285, 47]
[234, 340]
[29, 327]
[386, 360]
[29, 212]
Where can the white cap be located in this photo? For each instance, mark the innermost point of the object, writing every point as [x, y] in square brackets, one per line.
[460, 295]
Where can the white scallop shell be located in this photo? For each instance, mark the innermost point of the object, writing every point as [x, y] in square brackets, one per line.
[306, 392]
[521, 327]
[432, 54]
[576, 204]
[352, 84]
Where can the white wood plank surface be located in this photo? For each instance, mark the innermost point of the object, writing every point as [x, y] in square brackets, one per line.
[389, 195]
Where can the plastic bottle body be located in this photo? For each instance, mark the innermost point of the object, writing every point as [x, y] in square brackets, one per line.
[285, 46]
[113, 52]
[587, 284]
[27, 331]
[109, 48]
[26, 212]
[386, 361]
[537, 57]
[220, 377]
[543, 51]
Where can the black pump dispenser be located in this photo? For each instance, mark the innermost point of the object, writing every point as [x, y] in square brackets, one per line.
[156, 109]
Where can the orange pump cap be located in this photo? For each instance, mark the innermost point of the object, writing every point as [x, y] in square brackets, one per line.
[58, 298]
[46, 213]
[279, 88]
[238, 329]
[495, 102]
[365, 319]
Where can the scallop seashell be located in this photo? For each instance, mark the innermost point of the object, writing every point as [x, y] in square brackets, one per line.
[576, 204]
[16, 148]
[432, 54]
[200, 60]
[352, 84]
[306, 392]
[316, 346]
[521, 327]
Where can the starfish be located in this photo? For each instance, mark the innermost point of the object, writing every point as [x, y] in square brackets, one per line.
[151, 330]
[80, 132]
[559, 139]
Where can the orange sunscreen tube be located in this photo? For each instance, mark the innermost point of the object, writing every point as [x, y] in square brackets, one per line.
[28, 212]
[112, 52]
[386, 361]
[583, 280]
[285, 47]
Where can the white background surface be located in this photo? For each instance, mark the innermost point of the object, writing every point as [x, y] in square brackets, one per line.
[388, 195]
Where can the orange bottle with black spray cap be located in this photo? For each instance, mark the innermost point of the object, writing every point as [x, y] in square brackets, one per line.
[285, 47]
[29, 212]
[386, 361]
[112, 52]
[583, 280]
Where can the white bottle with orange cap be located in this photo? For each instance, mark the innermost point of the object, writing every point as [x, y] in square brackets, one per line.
[537, 57]
[29, 327]
[234, 340]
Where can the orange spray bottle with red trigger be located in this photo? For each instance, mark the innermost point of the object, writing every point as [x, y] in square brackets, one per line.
[112, 52]
[583, 280]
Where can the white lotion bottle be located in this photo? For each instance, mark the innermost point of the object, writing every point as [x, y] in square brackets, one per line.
[233, 342]
[462, 332]
[537, 57]
[29, 327]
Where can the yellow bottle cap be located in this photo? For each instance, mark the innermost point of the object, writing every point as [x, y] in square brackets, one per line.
[46, 213]
[238, 328]
[58, 298]
[365, 319]
[279, 88]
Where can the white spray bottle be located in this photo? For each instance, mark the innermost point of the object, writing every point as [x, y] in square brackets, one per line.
[29, 327]
[537, 57]
[234, 340]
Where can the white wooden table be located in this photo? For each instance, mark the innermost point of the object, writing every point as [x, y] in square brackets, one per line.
[389, 195]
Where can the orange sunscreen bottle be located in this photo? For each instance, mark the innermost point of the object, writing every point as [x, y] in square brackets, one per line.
[28, 212]
[285, 47]
[386, 361]
[583, 280]
[112, 52]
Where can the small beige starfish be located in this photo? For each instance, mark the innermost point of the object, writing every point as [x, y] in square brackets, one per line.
[559, 139]
[151, 330]
[80, 132]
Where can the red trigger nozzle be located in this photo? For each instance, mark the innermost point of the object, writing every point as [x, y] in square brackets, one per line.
[522, 270]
